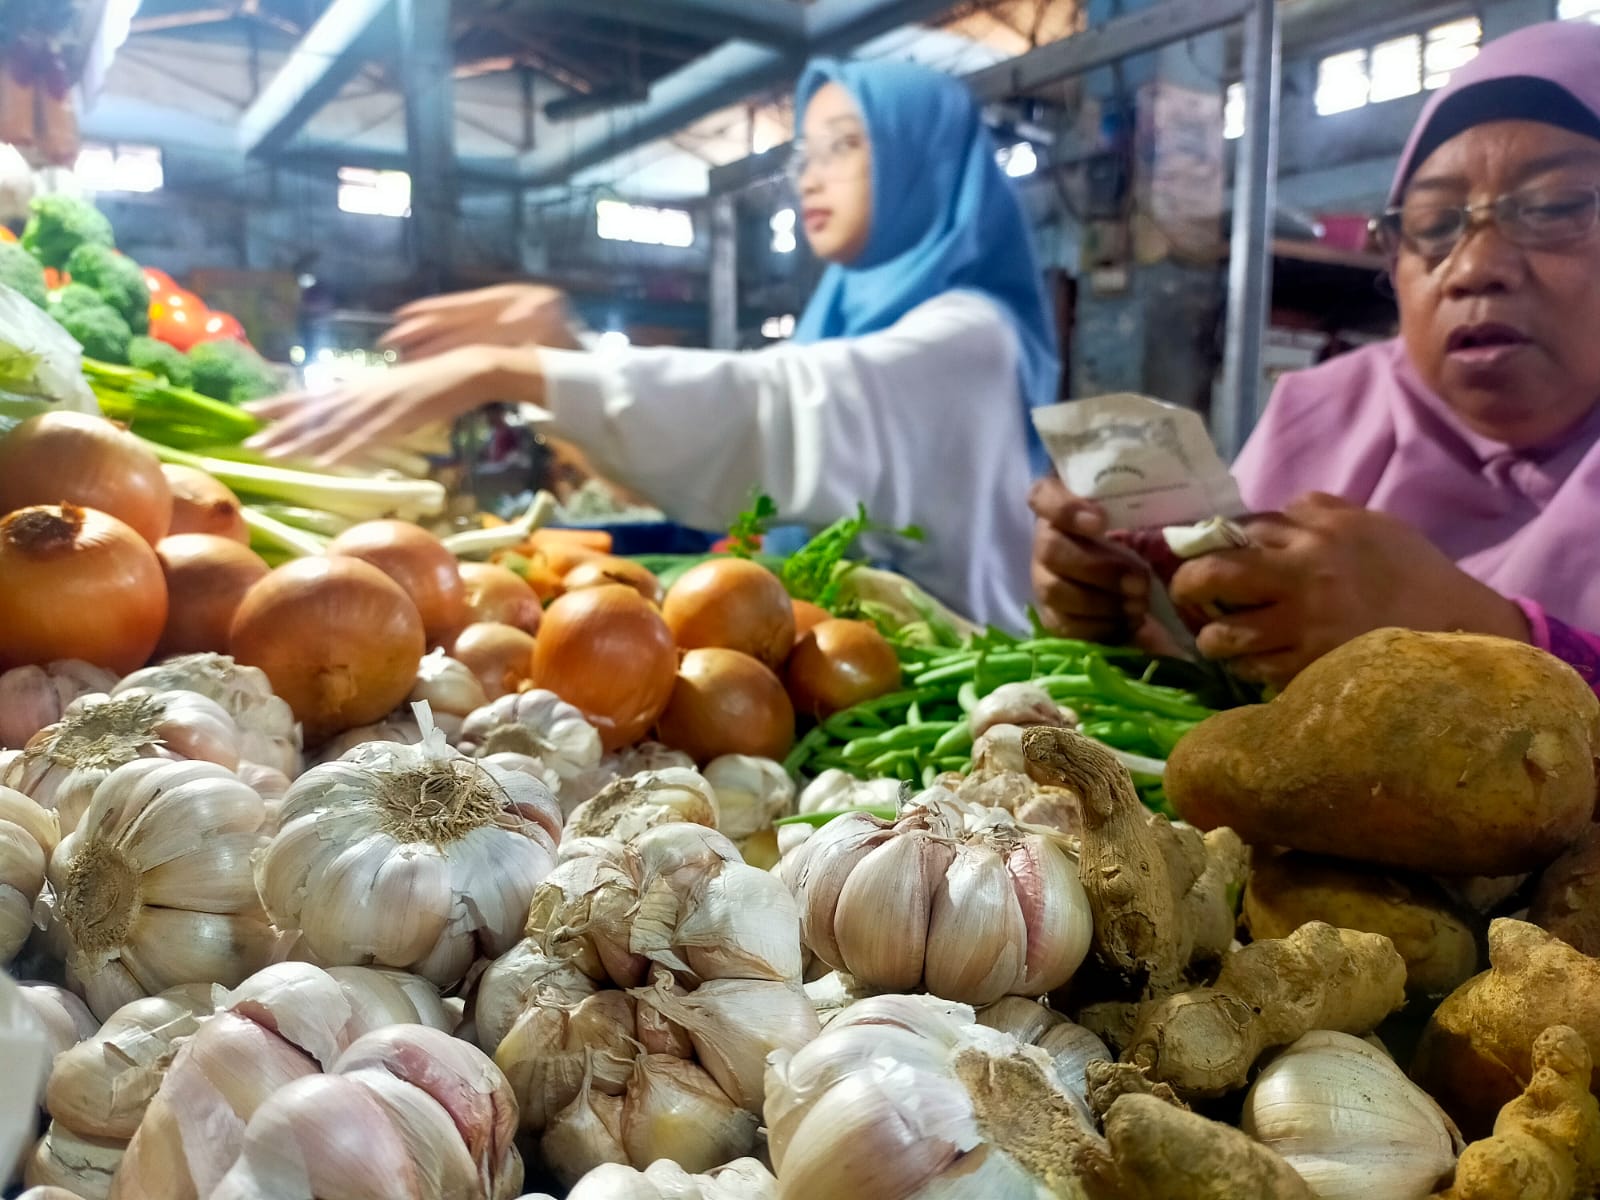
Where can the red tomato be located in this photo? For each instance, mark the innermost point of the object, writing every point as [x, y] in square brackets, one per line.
[221, 327]
[55, 280]
[179, 326]
[158, 281]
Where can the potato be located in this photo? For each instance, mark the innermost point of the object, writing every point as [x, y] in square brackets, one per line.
[1567, 899]
[1452, 754]
[1475, 1051]
[1439, 945]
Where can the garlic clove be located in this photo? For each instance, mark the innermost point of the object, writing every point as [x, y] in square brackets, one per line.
[379, 906]
[447, 685]
[584, 1135]
[84, 1166]
[549, 1050]
[169, 946]
[611, 1181]
[434, 1147]
[523, 976]
[1024, 1019]
[379, 997]
[1056, 910]
[66, 1020]
[741, 923]
[27, 836]
[818, 872]
[657, 1033]
[977, 937]
[680, 853]
[673, 1109]
[896, 880]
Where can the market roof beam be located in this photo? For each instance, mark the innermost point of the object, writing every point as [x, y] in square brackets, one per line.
[730, 73]
[775, 23]
[325, 59]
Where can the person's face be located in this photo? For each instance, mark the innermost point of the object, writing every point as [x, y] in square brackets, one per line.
[1507, 334]
[836, 180]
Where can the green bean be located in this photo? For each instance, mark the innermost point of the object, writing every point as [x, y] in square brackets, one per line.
[804, 749]
[1114, 685]
[819, 819]
[967, 697]
[957, 741]
[914, 713]
[907, 737]
[889, 763]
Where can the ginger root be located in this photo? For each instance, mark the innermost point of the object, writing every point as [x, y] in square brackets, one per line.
[1108, 1082]
[1203, 1042]
[1546, 1143]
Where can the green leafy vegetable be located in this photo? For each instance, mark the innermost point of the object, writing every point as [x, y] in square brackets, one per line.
[817, 570]
[745, 533]
[59, 224]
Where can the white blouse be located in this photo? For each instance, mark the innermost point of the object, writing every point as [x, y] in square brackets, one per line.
[923, 422]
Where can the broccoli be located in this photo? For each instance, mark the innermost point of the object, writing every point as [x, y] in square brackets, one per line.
[117, 279]
[19, 270]
[58, 225]
[93, 323]
[230, 371]
[160, 359]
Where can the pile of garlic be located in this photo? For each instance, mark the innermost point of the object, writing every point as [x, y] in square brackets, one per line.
[741, 1179]
[269, 736]
[956, 900]
[33, 697]
[635, 1020]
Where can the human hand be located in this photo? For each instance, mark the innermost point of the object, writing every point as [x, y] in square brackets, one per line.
[510, 314]
[328, 427]
[1325, 571]
[1084, 586]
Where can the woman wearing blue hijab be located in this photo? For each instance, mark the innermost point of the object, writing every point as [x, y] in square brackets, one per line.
[906, 386]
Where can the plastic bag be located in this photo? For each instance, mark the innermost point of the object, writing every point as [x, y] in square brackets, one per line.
[41, 367]
[25, 1050]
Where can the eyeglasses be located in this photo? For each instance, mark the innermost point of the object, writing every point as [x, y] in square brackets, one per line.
[835, 159]
[1535, 219]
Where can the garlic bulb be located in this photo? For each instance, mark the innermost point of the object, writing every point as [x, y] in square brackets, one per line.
[538, 724]
[646, 756]
[1017, 704]
[707, 951]
[446, 686]
[751, 794]
[960, 901]
[1071, 1047]
[154, 888]
[399, 727]
[268, 732]
[286, 1022]
[836, 791]
[414, 857]
[741, 1179]
[904, 1096]
[50, 1193]
[28, 836]
[999, 779]
[82, 1166]
[25, 1049]
[1347, 1119]
[65, 1019]
[630, 806]
[64, 763]
[33, 697]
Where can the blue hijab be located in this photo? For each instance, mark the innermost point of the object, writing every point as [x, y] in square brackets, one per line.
[945, 218]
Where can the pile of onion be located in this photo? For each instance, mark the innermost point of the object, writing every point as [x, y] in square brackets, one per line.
[725, 702]
[495, 593]
[609, 568]
[73, 458]
[422, 566]
[207, 578]
[607, 652]
[839, 664]
[201, 504]
[734, 604]
[500, 655]
[76, 583]
[336, 637]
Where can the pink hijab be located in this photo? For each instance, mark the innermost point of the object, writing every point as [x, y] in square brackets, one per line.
[1365, 427]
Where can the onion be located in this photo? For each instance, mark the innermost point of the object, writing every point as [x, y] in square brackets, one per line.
[597, 572]
[725, 702]
[201, 504]
[73, 458]
[608, 653]
[807, 616]
[498, 594]
[76, 583]
[838, 664]
[735, 604]
[207, 578]
[500, 655]
[420, 564]
[336, 637]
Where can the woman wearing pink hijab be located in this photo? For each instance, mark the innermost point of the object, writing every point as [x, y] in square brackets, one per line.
[1448, 479]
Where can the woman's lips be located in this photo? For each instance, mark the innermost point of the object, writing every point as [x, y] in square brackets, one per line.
[1487, 344]
[816, 218]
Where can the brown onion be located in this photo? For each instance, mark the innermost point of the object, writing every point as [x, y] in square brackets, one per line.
[337, 639]
[500, 655]
[608, 653]
[609, 568]
[499, 594]
[76, 583]
[725, 702]
[422, 566]
[201, 504]
[73, 458]
[207, 578]
[838, 664]
[807, 616]
[735, 604]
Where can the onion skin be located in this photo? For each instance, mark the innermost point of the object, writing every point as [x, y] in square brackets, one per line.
[76, 583]
[597, 572]
[201, 504]
[420, 564]
[807, 616]
[500, 655]
[725, 702]
[73, 458]
[839, 664]
[336, 637]
[499, 594]
[608, 653]
[735, 604]
[207, 578]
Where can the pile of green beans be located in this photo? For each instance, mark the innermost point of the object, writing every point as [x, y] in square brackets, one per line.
[923, 730]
